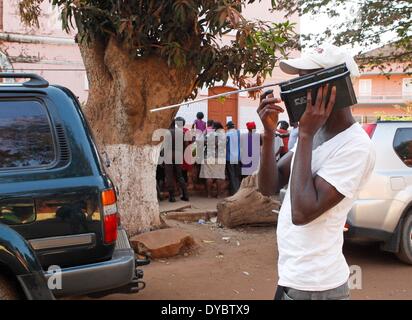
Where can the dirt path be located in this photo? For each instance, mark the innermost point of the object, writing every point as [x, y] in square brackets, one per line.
[215, 269]
[245, 268]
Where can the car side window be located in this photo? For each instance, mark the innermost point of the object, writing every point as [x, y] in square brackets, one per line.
[26, 139]
[402, 144]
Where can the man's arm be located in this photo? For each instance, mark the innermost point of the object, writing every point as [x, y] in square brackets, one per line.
[271, 176]
[267, 175]
[311, 196]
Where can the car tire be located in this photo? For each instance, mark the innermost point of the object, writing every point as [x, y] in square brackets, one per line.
[8, 290]
[405, 247]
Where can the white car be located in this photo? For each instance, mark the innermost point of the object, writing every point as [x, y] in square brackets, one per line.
[383, 211]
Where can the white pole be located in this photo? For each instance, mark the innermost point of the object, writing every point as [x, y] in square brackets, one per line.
[214, 97]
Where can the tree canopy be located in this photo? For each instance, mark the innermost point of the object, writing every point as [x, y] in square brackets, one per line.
[180, 31]
[374, 21]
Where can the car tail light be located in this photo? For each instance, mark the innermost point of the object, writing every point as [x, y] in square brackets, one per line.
[369, 128]
[110, 216]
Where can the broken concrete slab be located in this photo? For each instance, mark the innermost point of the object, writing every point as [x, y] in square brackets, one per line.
[191, 215]
[163, 243]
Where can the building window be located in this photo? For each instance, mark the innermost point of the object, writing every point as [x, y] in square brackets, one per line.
[407, 87]
[365, 87]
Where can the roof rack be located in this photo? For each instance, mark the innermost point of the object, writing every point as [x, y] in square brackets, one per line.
[35, 81]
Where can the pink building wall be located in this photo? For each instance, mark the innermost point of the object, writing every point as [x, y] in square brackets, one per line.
[48, 51]
[383, 86]
[386, 92]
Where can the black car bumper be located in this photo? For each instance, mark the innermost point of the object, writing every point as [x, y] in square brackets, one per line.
[117, 273]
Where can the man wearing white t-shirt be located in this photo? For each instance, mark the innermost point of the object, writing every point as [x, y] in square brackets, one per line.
[330, 162]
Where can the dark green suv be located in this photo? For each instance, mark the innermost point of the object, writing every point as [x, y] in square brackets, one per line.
[60, 231]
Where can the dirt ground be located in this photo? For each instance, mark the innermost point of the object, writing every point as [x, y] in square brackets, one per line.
[244, 267]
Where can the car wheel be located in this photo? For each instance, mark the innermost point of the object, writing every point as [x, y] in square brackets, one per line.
[8, 290]
[405, 248]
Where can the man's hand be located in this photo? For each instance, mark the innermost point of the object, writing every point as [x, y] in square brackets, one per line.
[268, 111]
[316, 115]
[270, 177]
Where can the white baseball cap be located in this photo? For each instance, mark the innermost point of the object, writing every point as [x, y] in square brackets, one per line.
[325, 56]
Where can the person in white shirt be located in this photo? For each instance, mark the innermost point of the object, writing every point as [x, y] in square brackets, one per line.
[293, 136]
[330, 162]
[278, 146]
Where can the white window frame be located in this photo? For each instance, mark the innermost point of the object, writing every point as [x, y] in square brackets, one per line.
[407, 87]
[365, 83]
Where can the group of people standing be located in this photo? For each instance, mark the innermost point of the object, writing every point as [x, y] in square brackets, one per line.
[217, 154]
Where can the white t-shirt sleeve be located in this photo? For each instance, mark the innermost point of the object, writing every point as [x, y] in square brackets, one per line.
[348, 168]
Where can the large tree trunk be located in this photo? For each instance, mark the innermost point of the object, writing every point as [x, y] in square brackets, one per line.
[247, 207]
[122, 91]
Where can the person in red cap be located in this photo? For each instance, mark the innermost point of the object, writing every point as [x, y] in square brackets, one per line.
[251, 126]
[283, 133]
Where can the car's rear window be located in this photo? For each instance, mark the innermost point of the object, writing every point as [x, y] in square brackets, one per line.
[26, 139]
[403, 145]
